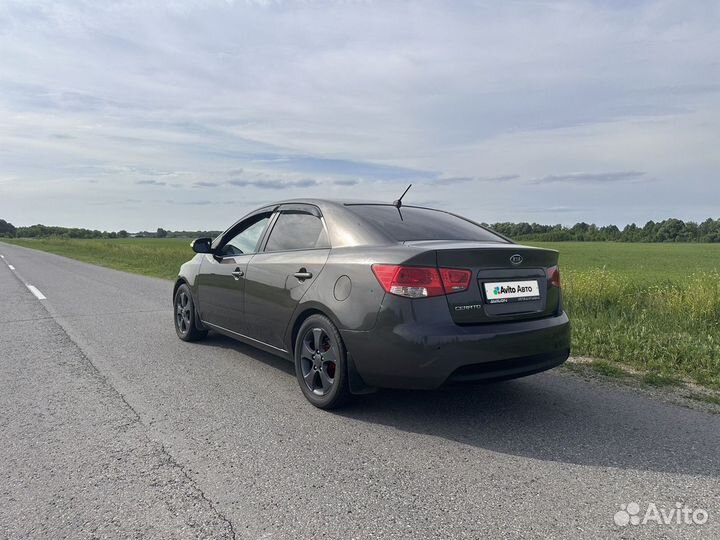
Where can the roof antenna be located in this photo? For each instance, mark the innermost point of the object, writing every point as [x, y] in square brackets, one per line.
[397, 204]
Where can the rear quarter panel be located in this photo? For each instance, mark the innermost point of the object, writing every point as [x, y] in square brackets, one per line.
[356, 308]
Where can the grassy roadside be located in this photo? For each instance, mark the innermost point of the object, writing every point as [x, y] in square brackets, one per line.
[650, 309]
[156, 257]
[654, 308]
[669, 329]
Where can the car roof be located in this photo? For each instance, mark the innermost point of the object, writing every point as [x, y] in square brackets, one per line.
[335, 202]
[347, 228]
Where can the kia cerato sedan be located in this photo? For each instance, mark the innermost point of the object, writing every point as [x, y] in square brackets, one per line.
[363, 296]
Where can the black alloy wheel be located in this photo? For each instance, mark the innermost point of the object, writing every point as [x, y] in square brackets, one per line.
[185, 318]
[320, 363]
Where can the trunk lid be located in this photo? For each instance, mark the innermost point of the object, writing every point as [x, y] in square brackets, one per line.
[510, 268]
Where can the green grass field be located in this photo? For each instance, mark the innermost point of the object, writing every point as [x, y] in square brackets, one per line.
[654, 307]
[157, 257]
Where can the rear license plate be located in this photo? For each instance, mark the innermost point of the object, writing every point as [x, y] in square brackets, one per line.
[503, 292]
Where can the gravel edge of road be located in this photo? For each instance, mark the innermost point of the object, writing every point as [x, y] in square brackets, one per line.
[683, 394]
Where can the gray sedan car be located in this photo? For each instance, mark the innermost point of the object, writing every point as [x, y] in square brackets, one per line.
[363, 295]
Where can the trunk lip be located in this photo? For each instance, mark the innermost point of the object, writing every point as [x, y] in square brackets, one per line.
[448, 245]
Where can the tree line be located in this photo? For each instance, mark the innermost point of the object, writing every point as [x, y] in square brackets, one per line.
[668, 230]
[8, 230]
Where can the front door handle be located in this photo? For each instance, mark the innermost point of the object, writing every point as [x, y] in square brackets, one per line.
[302, 274]
[237, 274]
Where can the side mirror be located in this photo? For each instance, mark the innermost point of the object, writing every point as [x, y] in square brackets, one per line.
[201, 245]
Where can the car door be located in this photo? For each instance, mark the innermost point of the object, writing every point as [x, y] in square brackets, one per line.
[221, 281]
[294, 253]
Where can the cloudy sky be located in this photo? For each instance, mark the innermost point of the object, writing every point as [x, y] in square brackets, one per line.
[143, 114]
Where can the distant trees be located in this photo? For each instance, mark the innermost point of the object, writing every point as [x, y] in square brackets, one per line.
[44, 231]
[39, 231]
[7, 229]
[669, 230]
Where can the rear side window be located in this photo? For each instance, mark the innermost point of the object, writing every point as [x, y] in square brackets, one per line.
[410, 223]
[297, 230]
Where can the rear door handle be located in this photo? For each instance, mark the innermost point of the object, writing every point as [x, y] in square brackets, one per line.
[302, 274]
[237, 274]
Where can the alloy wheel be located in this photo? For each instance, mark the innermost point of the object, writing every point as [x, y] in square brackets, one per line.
[182, 312]
[318, 361]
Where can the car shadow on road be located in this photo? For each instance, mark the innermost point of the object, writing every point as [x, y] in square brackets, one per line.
[558, 417]
[219, 340]
[550, 417]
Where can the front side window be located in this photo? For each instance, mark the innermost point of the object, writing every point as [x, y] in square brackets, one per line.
[295, 229]
[247, 239]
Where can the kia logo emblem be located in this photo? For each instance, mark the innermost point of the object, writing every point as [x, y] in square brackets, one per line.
[516, 259]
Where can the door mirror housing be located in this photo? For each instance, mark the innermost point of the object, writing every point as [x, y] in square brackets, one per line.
[202, 245]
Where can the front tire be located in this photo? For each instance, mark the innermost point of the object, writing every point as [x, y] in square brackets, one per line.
[321, 363]
[186, 316]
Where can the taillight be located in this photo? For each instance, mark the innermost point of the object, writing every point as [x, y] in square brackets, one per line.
[409, 281]
[455, 280]
[553, 276]
[420, 281]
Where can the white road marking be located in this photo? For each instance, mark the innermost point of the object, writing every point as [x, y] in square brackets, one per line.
[2, 256]
[33, 289]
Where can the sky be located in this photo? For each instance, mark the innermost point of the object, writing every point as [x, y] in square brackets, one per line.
[186, 115]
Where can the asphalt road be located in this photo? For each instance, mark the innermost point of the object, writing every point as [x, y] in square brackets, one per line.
[111, 427]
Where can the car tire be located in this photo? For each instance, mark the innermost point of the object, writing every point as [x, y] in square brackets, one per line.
[186, 323]
[321, 363]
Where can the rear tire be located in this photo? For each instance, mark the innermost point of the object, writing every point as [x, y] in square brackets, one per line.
[321, 363]
[185, 315]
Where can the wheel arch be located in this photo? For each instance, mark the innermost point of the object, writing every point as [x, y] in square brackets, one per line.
[302, 315]
[179, 281]
[355, 382]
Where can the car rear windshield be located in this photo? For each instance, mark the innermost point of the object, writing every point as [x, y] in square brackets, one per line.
[411, 223]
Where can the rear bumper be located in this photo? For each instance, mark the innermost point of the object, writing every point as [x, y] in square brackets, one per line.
[426, 355]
